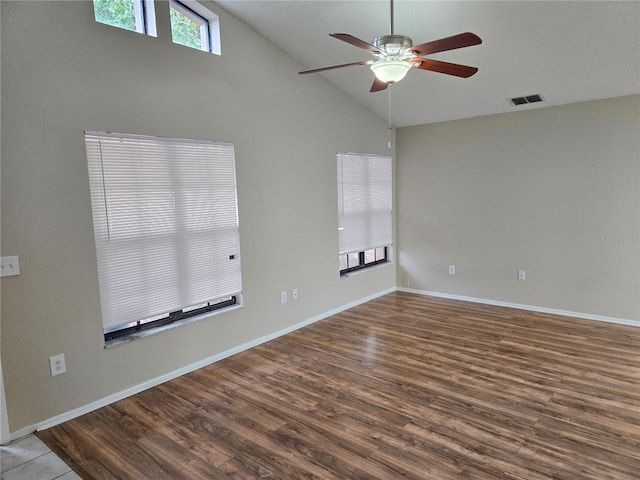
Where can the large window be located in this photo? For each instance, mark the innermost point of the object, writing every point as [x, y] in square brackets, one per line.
[166, 228]
[365, 225]
[135, 15]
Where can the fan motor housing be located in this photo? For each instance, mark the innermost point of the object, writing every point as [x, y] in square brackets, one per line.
[392, 44]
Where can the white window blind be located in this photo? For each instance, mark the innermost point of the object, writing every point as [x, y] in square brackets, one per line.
[364, 202]
[165, 222]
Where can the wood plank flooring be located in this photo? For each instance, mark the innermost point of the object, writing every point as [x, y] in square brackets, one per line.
[405, 386]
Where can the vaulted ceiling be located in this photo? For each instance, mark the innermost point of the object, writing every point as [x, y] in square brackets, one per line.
[566, 51]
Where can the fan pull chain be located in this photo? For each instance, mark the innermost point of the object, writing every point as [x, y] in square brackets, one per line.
[389, 118]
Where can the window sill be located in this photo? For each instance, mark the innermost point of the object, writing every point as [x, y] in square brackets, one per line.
[367, 269]
[152, 331]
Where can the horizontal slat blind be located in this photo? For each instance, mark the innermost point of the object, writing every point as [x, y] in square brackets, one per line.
[165, 222]
[364, 202]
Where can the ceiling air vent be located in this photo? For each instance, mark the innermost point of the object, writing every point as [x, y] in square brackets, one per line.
[528, 99]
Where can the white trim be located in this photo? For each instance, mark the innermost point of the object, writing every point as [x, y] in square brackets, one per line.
[353, 154]
[5, 435]
[63, 417]
[23, 432]
[153, 138]
[53, 421]
[532, 308]
[213, 21]
[179, 323]
[371, 268]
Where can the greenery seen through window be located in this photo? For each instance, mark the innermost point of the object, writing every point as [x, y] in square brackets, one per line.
[128, 14]
[185, 31]
[118, 13]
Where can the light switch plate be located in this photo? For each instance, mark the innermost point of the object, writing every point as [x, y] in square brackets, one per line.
[10, 266]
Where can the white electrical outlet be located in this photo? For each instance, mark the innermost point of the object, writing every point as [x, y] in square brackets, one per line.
[10, 266]
[452, 269]
[522, 275]
[57, 364]
[294, 294]
[283, 297]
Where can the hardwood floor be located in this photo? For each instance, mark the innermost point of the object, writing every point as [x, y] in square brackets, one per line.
[405, 386]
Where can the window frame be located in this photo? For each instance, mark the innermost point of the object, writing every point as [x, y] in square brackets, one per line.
[362, 263]
[128, 178]
[162, 320]
[145, 15]
[209, 28]
[361, 185]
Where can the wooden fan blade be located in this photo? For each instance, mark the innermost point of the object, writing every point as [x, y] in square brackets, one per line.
[333, 67]
[378, 85]
[450, 43]
[345, 37]
[445, 67]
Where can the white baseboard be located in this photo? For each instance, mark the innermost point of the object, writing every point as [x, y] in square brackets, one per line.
[53, 421]
[5, 435]
[532, 308]
[23, 432]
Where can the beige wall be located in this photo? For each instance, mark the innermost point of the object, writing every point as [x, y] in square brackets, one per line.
[62, 73]
[552, 191]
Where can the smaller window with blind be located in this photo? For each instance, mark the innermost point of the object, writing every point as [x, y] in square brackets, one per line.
[166, 229]
[365, 208]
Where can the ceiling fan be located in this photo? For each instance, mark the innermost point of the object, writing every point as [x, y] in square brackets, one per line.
[395, 55]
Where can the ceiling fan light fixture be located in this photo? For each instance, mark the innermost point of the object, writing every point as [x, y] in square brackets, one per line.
[396, 54]
[390, 71]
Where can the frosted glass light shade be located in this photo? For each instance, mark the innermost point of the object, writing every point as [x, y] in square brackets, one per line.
[390, 71]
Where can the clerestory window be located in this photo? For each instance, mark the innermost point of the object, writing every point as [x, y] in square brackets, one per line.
[134, 15]
[194, 26]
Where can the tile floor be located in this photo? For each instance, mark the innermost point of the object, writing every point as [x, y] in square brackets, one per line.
[30, 459]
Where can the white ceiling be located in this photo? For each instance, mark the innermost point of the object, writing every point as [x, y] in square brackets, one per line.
[568, 52]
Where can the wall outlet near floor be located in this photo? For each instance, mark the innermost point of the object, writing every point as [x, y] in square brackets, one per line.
[452, 269]
[57, 364]
[283, 297]
[522, 275]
